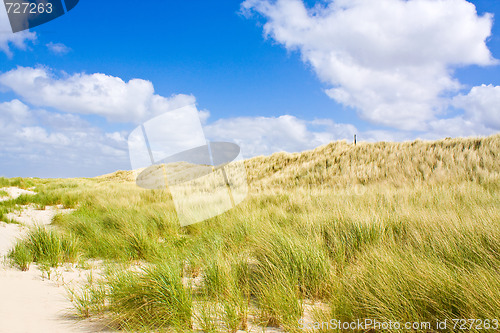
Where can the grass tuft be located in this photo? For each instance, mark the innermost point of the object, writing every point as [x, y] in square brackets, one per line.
[21, 256]
[154, 298]
[45, 247]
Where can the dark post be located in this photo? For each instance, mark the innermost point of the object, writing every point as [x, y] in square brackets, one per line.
[354, 139]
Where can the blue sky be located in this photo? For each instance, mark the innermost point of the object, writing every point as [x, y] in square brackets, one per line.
[269, 75]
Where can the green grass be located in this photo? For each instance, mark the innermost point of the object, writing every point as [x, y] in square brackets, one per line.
[3, 215]
[46, 247]
[3, 212]
[90, 299]
[17, 182]
[409, 287]
[154, 298]
[389, 253]
[21, 255]
[404, 244]
[49, 193]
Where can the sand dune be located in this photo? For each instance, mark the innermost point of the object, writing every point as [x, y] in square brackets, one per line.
[29, 301]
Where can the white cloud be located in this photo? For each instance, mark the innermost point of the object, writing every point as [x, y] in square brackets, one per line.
[481, 105]
[99, 94]
[391, 60]
[8, 39]
[49, 144]
[117, 137]
[459, 126]
[36, 142]
[38, 134]
[204, 115]
[267, 135]
[13, 113]
[58, 48]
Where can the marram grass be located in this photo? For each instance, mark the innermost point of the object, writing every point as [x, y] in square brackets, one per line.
[388, 231]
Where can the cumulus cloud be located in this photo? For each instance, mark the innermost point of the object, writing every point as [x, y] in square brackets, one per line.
[391, 60]
[59, 142]
[457, 126]
[481, 105]
[58, 48]
[267, 135]
[9, 39]
[98, 94]
[36, 142]
[13, 113]
[38, 138]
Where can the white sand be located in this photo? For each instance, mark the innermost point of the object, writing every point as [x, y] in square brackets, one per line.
[30, 216]
[14, 193]
[29, 302]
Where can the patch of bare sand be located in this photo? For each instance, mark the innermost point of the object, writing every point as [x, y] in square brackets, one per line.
[29, 301]
[30, 216]
[14, 192]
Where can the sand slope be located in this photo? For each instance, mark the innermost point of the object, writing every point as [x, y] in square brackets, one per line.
[28, 302]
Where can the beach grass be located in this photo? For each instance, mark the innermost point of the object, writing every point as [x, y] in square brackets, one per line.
[387, 231]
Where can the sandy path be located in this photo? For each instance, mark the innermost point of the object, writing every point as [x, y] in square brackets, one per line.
[28, 302]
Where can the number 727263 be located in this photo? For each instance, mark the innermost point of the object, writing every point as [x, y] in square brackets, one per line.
[28, 8]
[478, 324]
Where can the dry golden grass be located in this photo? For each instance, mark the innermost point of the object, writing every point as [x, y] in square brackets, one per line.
[388, 231]
[398, 164]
